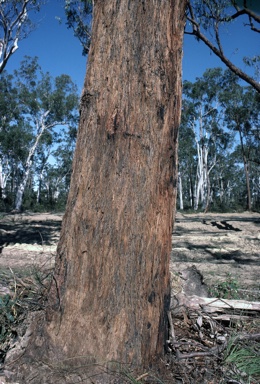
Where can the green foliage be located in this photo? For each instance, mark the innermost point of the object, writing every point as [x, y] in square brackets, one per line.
[227, 289]
[39, 118]
[8, 315]
[244, 359]
[78, 13]
[220, 120]
[39, 92]
[209, 21]
[15, 25]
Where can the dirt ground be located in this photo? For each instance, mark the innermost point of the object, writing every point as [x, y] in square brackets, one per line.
[221, 246]
[217, 244]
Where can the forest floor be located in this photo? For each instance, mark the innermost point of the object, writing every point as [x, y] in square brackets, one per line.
[225, 248]
[28, 240]
[221, 246]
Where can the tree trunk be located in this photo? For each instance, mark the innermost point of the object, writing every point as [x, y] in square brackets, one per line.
[191, 189]
[113, 255]
[111, 289]
[28, 166]
[246, 168]
[3, 181]
[180, 191]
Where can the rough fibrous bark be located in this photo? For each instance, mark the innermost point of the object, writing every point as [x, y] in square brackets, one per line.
[111, 290]
[112, 272]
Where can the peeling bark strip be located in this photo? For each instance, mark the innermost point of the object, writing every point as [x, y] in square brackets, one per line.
[112, 266]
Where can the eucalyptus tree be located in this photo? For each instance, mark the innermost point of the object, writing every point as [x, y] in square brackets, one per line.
[110, 292]
[187, 159]
[204, 116]
[41, 105]
[6, 100]
[79, 16]
[13, 134]
[208, 19]
[15, 25]
[242, 115]
[54, 177]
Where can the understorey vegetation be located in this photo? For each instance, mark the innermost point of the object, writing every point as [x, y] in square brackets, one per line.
[206, 346]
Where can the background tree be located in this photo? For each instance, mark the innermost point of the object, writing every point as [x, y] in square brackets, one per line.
[54, 179]
[242, 116]
[8, 113]
[219, 132]
[187, 161]
[204, 116]
[15, 25]
[79, 16]
[32, 123]
[206, 20]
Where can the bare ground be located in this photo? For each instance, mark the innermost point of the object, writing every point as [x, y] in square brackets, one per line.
[217, 244]
[28, 240]
[220, 246]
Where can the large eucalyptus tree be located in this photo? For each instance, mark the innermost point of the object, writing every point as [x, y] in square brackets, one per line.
[111, 287]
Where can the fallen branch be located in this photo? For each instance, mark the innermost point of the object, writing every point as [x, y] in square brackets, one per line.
[211, 305]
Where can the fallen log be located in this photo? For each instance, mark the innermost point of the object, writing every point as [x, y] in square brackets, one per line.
[212, 305]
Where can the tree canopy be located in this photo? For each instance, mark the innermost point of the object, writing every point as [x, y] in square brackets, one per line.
[206, 20]
[39, 114]
[15, 25]
[218, 143]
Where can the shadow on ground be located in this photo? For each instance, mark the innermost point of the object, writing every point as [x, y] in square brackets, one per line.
[34, 232]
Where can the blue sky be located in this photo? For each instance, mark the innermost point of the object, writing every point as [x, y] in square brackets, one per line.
[60, 52]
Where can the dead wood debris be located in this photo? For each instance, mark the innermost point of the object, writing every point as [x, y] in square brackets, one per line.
[19, 297]
[203, 332]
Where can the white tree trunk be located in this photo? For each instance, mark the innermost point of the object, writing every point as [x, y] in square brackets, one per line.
[200, 190]
[39, 186]
[202, 178]
[13, 31]
[180, 190]
[21, 188]
[191, 197]
[40, 129]
[3, 180]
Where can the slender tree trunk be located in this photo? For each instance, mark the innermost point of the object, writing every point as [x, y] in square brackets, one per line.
[199, 186]
[111, 289]
[3, 181]
[246, 168]
[191, 189]
[221, 189]
[28, 165]
[208, 197]
[249, 199]
[200, 176]
[180, 190]
[21, 188]
[39, 190]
